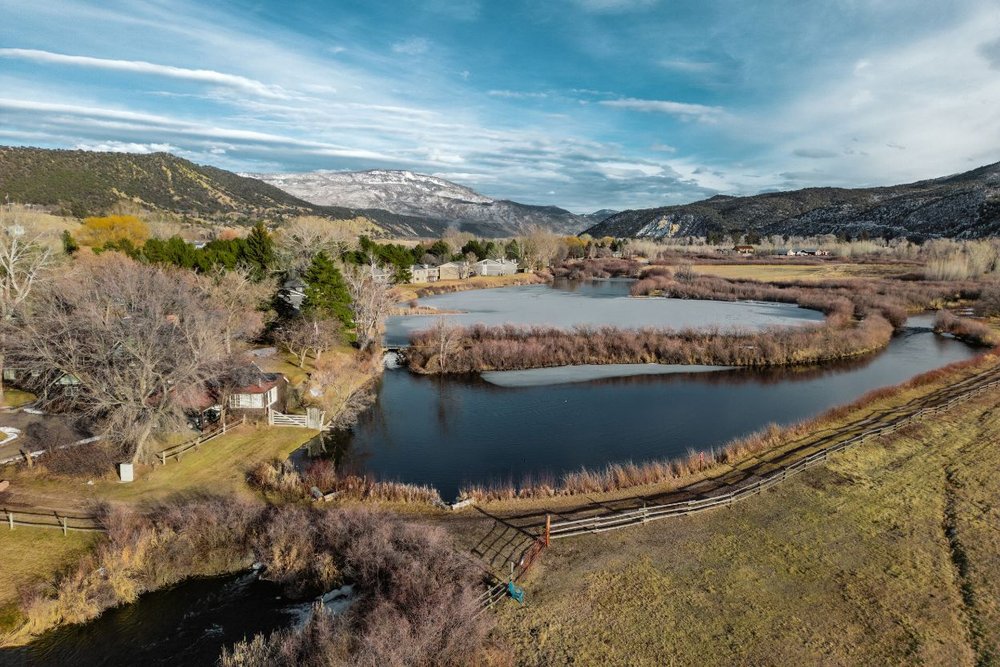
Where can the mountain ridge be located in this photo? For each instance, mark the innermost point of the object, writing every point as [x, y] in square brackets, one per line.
[963, 205]
[410, 193]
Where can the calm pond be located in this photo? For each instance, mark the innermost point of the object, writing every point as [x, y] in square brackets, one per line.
[599, 302]
[449, 431]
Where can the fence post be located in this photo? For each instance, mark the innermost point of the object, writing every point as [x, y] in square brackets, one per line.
[10, 519]
[163, 457]
[223, 426]
[548, 528]
[65, 527]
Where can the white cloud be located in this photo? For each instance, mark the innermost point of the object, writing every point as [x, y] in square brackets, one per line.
[141, 67]
[516, 94]
[125, 147]
[414, 46]
[688, 66]
[695, 111]
[917, 110]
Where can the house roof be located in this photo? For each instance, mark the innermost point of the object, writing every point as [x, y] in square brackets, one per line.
[267, 382]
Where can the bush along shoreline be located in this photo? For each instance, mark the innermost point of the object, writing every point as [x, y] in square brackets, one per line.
[861, 317]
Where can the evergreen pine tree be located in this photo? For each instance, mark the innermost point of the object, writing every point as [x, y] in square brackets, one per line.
[259, 251]
[326, 292]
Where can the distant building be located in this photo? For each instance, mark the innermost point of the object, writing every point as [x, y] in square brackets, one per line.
[454, 271]
[495, 267]
[743, 249]
[424, 273]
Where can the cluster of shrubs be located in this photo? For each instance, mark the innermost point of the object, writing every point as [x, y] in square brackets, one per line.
[480, 348]
[972, 331]
[416, 596]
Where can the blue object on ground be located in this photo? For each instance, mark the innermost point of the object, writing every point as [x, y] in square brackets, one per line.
[515, 592]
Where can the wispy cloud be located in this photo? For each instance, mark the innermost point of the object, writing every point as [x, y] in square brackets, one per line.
[516, 94]
[142, 67]
[413, 46]
[699, 112]
[814, 153]
[991, 52]
[613, 6]
[689, 66]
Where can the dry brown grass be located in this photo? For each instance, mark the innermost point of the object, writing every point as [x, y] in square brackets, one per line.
[850, 563]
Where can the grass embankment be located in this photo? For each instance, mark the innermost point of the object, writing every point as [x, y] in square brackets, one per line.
[31, 556]
[406, 293]
[218, 466]
[886, 555]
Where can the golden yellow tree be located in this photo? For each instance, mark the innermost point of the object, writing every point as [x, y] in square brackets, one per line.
[98, 231]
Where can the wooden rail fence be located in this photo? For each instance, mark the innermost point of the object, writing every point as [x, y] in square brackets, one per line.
[177, 451]
[36, 518]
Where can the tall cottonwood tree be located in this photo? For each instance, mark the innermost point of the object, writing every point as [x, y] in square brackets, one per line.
[131, 334]
[24, 262]
[238, 300]
[371, 302]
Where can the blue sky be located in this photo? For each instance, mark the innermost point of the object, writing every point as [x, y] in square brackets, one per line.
[585, 104]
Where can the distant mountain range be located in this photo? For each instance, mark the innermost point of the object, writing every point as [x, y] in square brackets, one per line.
[401, 203]
[437, 202]
[965, 205]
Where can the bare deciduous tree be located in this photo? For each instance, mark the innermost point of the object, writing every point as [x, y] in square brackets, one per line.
[301, 239]
[130, 334]
[309, 335]
[23, 263]
[371, 302]
[238, 301]
[446, 339]
[540, 248]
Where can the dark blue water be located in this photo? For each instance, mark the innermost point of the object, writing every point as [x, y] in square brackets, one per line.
[188, 624]
[447, 431]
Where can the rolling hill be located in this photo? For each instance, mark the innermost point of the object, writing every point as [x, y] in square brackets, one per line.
[964, 205]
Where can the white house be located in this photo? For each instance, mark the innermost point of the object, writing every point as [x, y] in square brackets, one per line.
[495, 267]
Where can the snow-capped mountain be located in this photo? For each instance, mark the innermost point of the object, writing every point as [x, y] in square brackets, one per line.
[439, 203]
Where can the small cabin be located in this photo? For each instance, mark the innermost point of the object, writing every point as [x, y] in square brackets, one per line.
[743, 249]
[268, 392]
